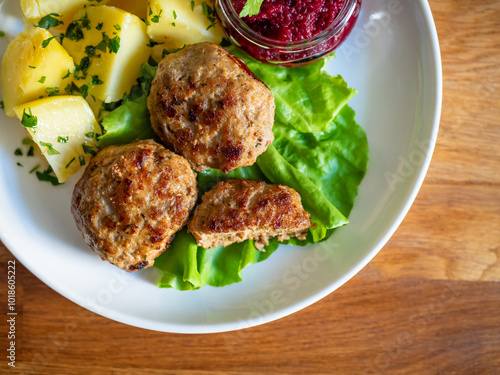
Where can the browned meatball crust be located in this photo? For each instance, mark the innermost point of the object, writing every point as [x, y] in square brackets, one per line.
[237, 209]
[131, 200]
[207, 106]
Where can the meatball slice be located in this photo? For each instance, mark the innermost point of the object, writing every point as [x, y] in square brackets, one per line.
[207, 106]
[237, 209]
[131, 200]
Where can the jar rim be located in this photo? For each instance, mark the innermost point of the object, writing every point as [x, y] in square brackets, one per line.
[230, 14]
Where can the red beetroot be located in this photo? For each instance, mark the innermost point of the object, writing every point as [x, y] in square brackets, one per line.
[292, 20]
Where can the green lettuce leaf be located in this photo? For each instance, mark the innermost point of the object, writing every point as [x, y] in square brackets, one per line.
[307, 98]
[279, 171]
[335, 161]
[223, 266]
[186, 266]
[179, 264]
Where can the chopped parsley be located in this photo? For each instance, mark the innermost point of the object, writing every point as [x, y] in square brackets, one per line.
[81, 159]
[42, 80]
[117, 27]
[99, 26]
[62, 139]
[153, 43]
[71, 89]
[83, 90]
[210, 14]
[174, 14]
[50, 150]
[18, 152]
[19, 164]
[67, 74]
[2, 34]
[2, 105]
[82, 68]
[75, 28]
[88, 149]
[156, 17]
[49, 21]
[48, 176]
[192, 5]
[102, 46]
[90, 51]
[29, 142]
[113, 44]
[71, 161]
[52, 90]
[96, 81]
[90, 135]
[251, 8]
[31, 66]
[35, 168]
[46, 42]
[28, 120]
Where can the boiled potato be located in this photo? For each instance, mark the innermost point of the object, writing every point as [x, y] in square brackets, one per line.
[34, 10]
[179, 22]
[116, 45]
[30, 71]
[137, 7]
[64, 128]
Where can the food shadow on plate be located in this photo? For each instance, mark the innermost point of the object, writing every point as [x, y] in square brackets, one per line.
[151, 275]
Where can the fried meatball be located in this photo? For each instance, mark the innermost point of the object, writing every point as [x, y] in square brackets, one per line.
[131, 200]
[237, 209]
[207, 106]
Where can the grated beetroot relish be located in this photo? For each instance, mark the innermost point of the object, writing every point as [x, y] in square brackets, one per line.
[292, 20]
[289, 32]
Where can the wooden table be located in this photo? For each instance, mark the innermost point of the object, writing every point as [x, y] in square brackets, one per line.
[429, 303]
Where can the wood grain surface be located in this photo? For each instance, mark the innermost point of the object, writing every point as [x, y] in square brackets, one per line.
[429, 303]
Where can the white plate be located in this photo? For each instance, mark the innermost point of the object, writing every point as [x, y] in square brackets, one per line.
[392, 58]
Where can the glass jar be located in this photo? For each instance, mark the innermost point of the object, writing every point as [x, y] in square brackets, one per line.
[287, 53]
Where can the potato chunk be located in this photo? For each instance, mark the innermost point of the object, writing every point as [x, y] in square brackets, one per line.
[180, 22]
[137, 7]
[34, 10]
[30, 71]
[64, 128]
[109, 45]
